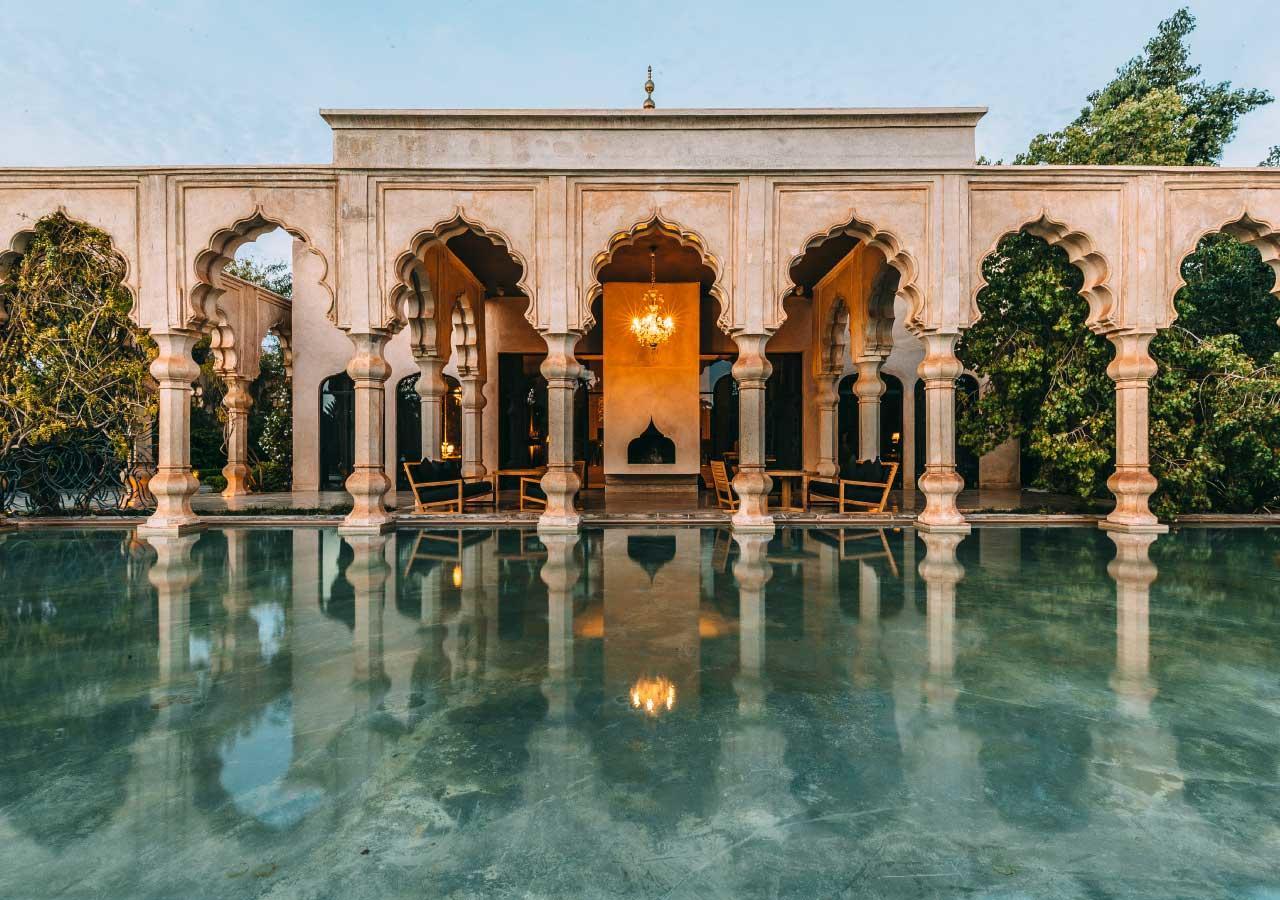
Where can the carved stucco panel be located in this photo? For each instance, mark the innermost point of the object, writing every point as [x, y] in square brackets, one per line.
[1087, 221]
[410, 215]
[217, 218]
[1250, 214]
[705, 216]
[111, 207]
[894, 219]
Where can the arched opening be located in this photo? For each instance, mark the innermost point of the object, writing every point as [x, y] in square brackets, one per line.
[680, 381]
[844, 288]
[1214, 420]
[242, 405]
[462, 293]
[337, 431]
[1044, 369]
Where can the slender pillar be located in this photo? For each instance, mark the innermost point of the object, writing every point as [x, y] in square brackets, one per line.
[237, 403]
[367, 575]
[368, 483]
[431, 391]
[827, 404]
[941, 482]
[751, 484]
[909, 439]
[560, 572]
[941, 572]
[869, 388]
[173, 484]
[560, 483]
[472, 433]
[1133, 572]
[1133, 484]
[752, 572]
[172, 575]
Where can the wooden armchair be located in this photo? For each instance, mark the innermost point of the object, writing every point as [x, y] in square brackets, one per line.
[440, 486]
[531, 493]
[725, 496]
[862, 485]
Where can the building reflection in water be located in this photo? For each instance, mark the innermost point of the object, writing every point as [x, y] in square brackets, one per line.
[477, 676]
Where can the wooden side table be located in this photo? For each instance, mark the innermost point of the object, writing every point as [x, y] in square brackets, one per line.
[786, 477]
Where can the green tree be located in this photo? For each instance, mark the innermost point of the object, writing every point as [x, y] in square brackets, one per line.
[1047, 374]
[72, 363]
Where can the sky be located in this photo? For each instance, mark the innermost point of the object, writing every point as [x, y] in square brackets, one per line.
[131, 82]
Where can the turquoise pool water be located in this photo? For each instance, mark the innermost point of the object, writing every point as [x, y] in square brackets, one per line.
[640, 713]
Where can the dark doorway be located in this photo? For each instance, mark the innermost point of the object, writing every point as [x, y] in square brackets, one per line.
[722, 435]
[784, 411]
[408, 427]
[337, 431]
[522, 399]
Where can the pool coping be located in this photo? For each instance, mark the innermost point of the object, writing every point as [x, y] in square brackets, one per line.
[710, 517]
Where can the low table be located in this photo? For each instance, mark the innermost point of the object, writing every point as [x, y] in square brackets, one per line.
[785, 479]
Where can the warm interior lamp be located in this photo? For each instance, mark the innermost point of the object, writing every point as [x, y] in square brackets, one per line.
[457, 576]
[447, 450]
[653, 327]
[653, 696]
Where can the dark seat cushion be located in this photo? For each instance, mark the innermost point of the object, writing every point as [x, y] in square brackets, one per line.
[431, 470]
[437, 493]
[476, 489]
[851, 491]
[533, 489]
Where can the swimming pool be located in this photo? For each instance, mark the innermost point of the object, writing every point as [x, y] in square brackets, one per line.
[649, 712]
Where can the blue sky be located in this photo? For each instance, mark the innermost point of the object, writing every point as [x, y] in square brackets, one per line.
[122, 82]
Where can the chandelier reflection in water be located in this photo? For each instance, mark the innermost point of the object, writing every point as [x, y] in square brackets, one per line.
[653, 696]
[654, 326]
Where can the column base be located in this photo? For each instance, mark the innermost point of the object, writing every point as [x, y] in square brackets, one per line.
[366, 526]
[1134, 527]
[949, 528]
[753, 524]
[170, 529]
[559, 524]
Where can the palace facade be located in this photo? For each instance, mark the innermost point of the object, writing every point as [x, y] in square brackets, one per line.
[467, 281]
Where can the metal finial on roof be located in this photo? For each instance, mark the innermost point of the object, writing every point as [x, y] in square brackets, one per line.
[648, 90]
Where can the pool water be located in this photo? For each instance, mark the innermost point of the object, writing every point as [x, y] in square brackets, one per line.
[664, 712]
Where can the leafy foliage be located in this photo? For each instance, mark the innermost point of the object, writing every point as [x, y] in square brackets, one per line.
[1215, 419]
[72, 364]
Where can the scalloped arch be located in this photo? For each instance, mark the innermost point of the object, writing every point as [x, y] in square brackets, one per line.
[395, 313]
[1080, 253]
[220, 251]
[21, 240]
[1260, 235]
[884, 241]
[636, 233]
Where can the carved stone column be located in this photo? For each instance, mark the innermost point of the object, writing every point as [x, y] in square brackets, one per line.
[472, 424]
[751, 484]
[941, 482]
[431, 391]
[869, 388]
[941, 572]
[752, 572]
[827, 403]
[173, 484]
[560, 573]
[172, 575]
[1133, 484]
[368, 483]
[367, 575]
[237, 403]
[1134, 573]
[560, 483]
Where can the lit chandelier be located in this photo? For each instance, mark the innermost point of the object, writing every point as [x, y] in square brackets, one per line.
[654, 326]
